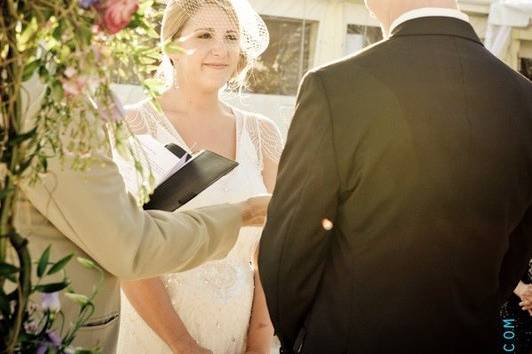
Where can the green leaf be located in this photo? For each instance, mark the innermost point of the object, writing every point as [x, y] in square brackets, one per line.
[43, 72]
[12, 278]
[24, 165]
[146, 60]
[57, 90]
[154, 85]
[30, 30]
[44, 163]
[87, 263]
[4, 304]
[85, 34]
[4, 192]
[136, 21]
[173, 48]
[152, 33]
[145, 5]
[43, 262]
[78, 298]
[20, 138]
[7, 269]
[52, 287]
[84, 351]
[58, 30]
[60, 264]
[29, 69]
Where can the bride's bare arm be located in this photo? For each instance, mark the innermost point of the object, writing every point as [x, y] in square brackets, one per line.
[151, 301]
[260, 332]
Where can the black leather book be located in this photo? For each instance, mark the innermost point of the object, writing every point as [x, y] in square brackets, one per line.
[200, 172]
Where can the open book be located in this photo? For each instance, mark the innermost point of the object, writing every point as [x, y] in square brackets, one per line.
[179, 177]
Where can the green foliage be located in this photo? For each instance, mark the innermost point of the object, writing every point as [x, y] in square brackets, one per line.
[65, 50]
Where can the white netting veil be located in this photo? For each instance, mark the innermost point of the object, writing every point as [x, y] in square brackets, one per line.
[228, 23]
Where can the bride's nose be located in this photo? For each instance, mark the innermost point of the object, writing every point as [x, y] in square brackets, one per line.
[219, 48]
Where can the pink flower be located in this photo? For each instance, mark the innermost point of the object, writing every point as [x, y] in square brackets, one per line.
[116, 14]
[74, 85]
[70, 71]
[31, 327]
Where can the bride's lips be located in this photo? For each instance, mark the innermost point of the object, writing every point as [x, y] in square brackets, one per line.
[216, 66]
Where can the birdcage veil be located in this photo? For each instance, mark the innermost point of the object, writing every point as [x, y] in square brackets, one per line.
[252, 33]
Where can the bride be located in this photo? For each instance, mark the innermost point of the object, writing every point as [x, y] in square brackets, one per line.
[220, 306]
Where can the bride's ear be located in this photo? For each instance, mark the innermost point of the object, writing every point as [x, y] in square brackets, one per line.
[241, 66]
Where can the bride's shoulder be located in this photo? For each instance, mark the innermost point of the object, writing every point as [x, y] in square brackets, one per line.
[253, 118]
[264, 134]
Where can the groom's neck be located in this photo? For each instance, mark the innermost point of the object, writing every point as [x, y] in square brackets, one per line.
[397, 8]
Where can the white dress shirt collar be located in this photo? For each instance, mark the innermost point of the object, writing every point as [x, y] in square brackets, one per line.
[428, 12]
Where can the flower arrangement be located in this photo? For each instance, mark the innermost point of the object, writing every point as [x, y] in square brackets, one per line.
[73, 50]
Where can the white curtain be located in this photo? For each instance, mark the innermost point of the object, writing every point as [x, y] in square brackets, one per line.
[504, 15]
[331, 40]
[498, 38]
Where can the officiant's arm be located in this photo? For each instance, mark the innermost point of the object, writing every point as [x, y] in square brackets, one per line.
[295, 243]
[93, 210]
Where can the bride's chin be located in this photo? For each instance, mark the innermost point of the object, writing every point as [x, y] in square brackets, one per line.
[213, 85]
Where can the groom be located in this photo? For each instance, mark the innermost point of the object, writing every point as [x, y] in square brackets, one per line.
[402, 216]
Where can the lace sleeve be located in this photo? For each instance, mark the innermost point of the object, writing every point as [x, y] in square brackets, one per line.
[140, 120]
[266, 137]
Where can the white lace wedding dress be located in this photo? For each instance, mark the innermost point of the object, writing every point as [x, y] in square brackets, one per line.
[214, 300]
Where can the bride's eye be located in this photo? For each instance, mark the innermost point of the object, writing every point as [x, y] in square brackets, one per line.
[205, 35]
[232, 37]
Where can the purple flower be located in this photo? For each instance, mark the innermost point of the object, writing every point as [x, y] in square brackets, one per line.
[88, 3]
[51, 302]
[54, 343]
[43, 348]
[54, 338]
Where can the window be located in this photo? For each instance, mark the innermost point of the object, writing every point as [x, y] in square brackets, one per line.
[292, 46]
[359, 37]
[526, 67]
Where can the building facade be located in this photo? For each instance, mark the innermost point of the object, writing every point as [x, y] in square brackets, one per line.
[309, 33]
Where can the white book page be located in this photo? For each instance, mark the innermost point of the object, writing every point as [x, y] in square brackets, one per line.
[153, 156]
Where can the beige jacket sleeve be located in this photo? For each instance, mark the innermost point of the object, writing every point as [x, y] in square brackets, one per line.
[93, 210]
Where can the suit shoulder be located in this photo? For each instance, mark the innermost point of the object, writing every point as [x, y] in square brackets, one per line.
[359, 58]
[360, 63]
[525, 84]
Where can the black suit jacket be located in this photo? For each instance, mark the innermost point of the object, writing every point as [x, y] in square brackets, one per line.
[419, 151]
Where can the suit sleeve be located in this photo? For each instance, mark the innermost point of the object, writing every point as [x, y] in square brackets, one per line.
[93, 210]
[516, 259]
[294, 244]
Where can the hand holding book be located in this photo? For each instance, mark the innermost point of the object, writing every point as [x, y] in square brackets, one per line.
[179, 177]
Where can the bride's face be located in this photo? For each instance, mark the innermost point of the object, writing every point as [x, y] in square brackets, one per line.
[211, 43]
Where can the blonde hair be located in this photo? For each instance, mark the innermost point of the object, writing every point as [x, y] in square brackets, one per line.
[178, 13]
